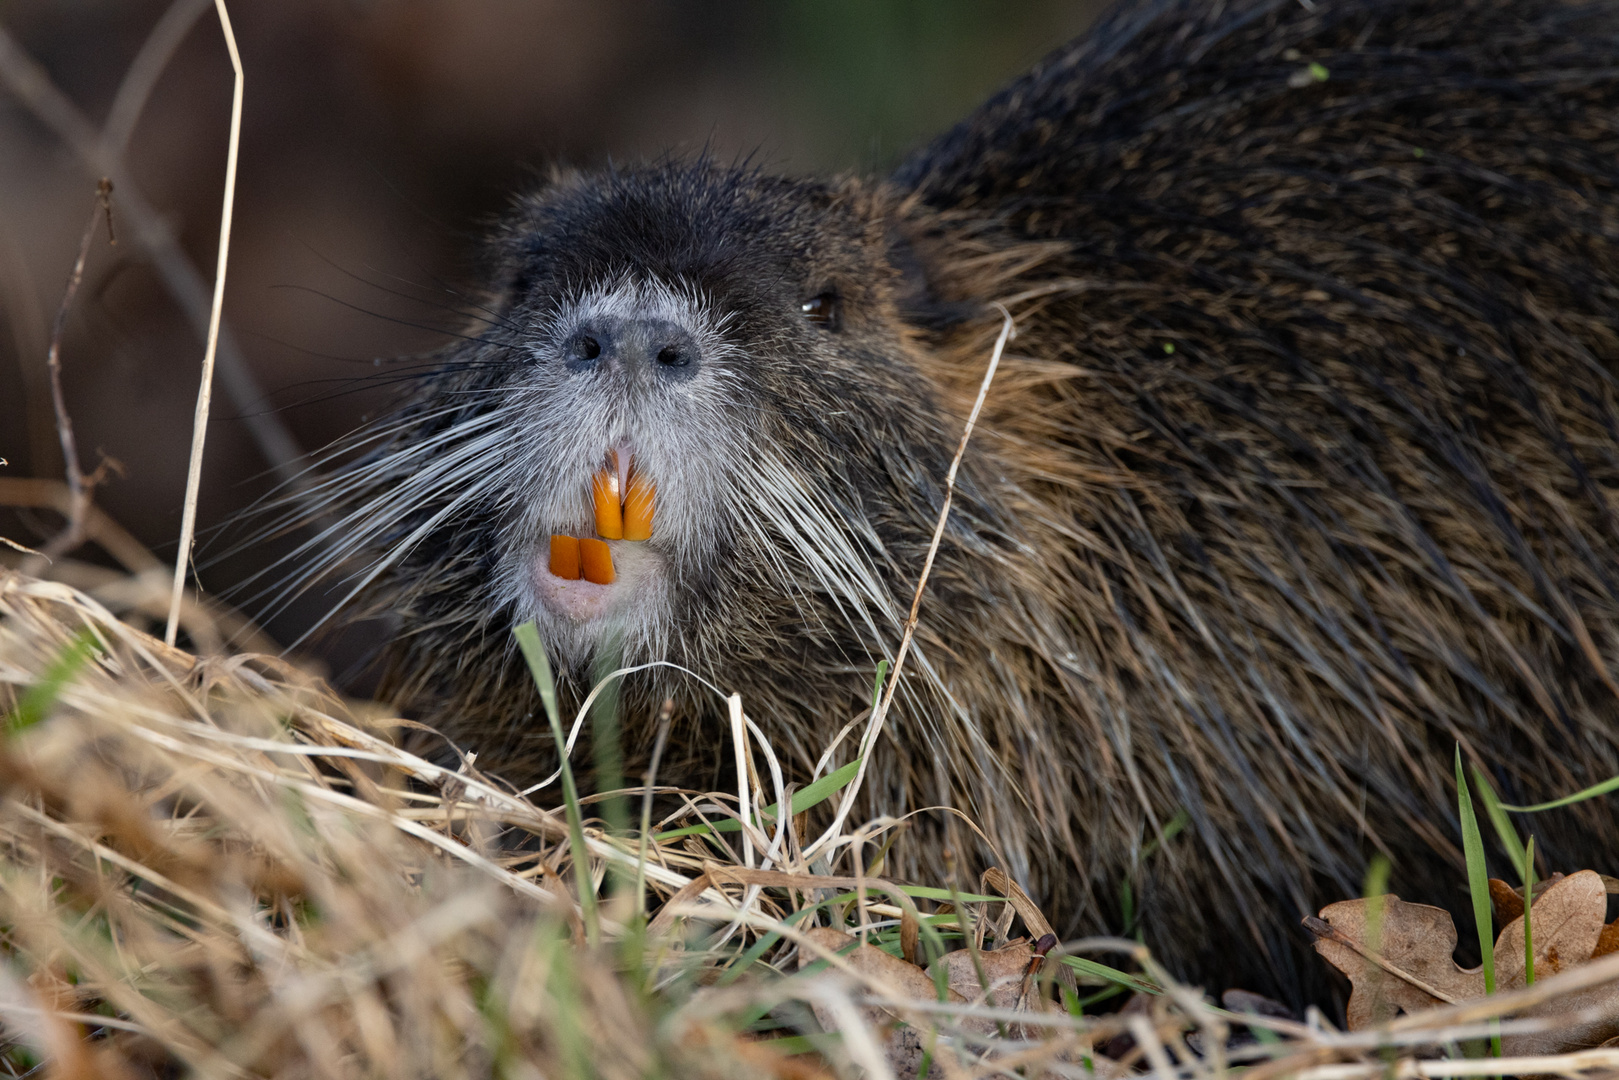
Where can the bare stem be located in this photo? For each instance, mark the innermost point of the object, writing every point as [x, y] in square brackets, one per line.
[71, 536]
[875, 724]
[199, 424]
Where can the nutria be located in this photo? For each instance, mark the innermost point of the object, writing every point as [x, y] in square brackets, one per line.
[1298, 473]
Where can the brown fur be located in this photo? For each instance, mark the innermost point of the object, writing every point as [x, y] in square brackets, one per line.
[1298, 475]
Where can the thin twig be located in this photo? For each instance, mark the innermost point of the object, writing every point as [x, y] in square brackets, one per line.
[33, 87]
[1605, 1060]
[874, 727]
[73, 534]
[99, 529]
[199, 424]
[14, 546]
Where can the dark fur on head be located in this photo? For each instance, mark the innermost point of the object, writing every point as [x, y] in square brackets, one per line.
[1299, 473]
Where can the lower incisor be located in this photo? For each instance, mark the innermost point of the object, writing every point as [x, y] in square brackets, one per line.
[596, 559]
[565, 557]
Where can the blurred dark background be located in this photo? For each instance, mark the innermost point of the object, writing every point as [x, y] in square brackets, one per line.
[378, 136]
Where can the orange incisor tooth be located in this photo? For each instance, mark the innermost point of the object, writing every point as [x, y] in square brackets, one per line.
[638, 508]
[604, 494]
[565, 557]
[597, 561]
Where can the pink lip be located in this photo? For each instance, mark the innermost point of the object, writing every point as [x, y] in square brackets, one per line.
[579, 600]
[639, 575]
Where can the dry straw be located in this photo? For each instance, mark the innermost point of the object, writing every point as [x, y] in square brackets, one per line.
[217, 864]
[205, 390]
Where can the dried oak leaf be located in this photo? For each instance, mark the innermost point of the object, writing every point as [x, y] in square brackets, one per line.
[1608, 942]
[1011, 981]
[1507, 901]
[1568, 931]
[1005, 983]
[902, 1045]
[1568, 920]
[1411, 967]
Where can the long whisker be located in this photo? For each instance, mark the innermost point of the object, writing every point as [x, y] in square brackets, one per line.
[398, 321]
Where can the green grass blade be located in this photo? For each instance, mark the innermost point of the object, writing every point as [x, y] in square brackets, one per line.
[38, 699]
[822, 789]
[1174, 828]
[1498, 817]
[1528, 902]
[1375, 890]
[804, 798]
[928, 892]
[1478, 883]
[539, 665]
[1111, 975]
[797, 1044]
[1611, 784]
[528, 639]
[606, 740]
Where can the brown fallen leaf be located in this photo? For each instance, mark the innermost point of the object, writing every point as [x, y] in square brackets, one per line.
[1603, 1001]
[1412, 967]
[1608, 941]
[902, 1045]
[1567, 919]
[1411, 970]
[1507, 901]
[1568, 925]
[910, 934]
[1004, 971]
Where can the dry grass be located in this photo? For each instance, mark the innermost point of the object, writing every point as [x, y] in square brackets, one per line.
[215, 865]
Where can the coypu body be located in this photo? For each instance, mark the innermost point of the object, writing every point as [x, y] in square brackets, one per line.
[1301, 470]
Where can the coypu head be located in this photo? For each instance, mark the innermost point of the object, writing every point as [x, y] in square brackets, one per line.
[735, 351]
[731, 346]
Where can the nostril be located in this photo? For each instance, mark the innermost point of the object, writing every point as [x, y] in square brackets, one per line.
[581, 351]
[629, 348]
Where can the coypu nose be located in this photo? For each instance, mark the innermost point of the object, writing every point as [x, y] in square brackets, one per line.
[639, 347]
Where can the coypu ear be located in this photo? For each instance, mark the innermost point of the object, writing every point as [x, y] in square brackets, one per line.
[917, 294]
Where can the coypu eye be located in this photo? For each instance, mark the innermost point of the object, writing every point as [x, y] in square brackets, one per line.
[822, 310]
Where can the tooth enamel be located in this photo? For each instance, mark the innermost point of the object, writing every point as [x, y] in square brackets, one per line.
[565, 557]
[597, 561]
[638, 507]
[604, 495]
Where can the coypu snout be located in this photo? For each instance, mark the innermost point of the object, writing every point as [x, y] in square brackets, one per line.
[619, 414]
